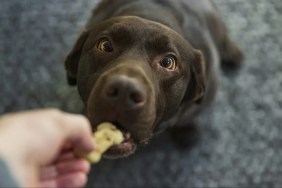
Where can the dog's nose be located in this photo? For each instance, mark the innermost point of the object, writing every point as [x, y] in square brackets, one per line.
[125, 92]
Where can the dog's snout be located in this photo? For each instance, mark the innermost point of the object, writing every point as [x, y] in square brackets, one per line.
[125, 92]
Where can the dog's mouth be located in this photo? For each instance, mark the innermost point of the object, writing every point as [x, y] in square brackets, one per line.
[123, 149]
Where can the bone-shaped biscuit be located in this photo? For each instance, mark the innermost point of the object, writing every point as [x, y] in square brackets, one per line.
[106, 136]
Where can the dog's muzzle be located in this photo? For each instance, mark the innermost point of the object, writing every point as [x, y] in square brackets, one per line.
[124, 96]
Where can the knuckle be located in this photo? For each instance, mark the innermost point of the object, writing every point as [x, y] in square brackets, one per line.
[55, 116]
[54, 112]
[83, 119]
[84, 122]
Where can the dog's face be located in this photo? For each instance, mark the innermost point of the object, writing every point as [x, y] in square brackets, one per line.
[135, 73]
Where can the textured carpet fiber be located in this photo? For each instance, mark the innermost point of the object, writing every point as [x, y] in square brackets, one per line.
[241, 135]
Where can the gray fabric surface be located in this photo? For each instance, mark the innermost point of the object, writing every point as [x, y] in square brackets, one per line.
[241, 134]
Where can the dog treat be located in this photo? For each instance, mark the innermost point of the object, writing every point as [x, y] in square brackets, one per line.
[106, 136]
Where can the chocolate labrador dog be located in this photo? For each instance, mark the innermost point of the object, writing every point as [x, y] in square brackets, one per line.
[146, 65]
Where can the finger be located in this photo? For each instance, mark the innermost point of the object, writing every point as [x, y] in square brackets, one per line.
[48, 183]
[48, 173]
[71, 180]
[67, 167]
[73, 128]
[67, 147]
[66, 156]
[77, 130]
[73, 165]
[76, 179]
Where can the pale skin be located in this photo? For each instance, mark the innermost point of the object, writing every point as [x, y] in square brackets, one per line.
[38, 147]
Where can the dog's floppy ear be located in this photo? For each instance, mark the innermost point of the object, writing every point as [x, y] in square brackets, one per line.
[72, 59]
[197, 85]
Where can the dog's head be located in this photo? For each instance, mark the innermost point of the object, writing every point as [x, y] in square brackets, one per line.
[135, 73]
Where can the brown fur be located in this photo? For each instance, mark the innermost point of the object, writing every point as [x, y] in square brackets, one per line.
[142, 33]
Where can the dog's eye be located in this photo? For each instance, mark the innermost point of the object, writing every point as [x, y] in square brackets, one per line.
[169, 62]
[105, 46]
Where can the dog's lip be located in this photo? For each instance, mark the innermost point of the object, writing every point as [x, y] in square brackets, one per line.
[127, 145]
[125, 148]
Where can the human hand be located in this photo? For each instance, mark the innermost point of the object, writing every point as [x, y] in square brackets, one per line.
[38, 147]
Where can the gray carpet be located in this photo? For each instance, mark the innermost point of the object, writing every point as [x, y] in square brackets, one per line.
[241, 144]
